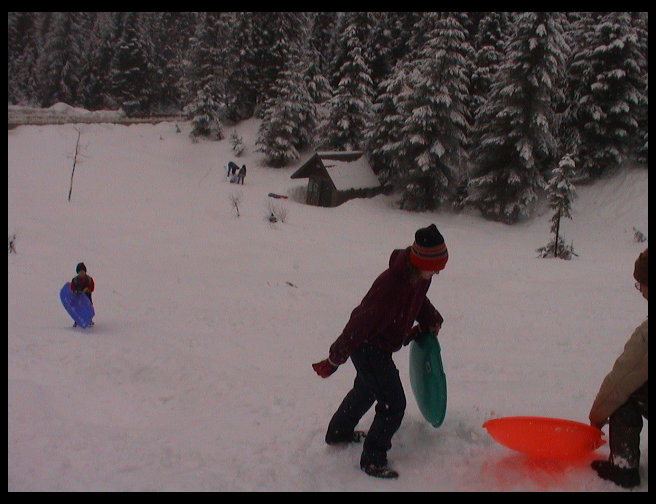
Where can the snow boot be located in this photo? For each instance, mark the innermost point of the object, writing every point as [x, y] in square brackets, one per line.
[376, 471]
[624, 477]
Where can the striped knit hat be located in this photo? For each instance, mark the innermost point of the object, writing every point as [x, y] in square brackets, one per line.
[428, 252]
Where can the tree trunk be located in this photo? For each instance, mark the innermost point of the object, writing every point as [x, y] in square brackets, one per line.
[77, 150]
[557, 232]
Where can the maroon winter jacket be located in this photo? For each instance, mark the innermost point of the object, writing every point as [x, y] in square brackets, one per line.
[85, 284]
[388, 311]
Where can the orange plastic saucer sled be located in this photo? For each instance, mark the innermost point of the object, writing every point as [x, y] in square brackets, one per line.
[542, 437]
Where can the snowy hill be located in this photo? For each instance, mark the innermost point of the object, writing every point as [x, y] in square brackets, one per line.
[198, 373]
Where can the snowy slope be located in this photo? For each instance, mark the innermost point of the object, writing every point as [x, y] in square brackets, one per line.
[198, 373]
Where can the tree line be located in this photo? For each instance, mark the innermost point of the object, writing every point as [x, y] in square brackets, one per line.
[452, 108]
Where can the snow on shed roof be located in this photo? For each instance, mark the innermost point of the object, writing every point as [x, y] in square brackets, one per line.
[351, 174]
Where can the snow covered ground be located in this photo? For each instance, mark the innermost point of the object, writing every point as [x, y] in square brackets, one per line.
[197, 375]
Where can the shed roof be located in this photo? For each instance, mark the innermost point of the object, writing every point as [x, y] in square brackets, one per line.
[351, 174]
[347, 170]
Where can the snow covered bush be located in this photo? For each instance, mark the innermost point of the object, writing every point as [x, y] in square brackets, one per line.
[638, 236]
[277, 212]
[12, 243]
[237, 143]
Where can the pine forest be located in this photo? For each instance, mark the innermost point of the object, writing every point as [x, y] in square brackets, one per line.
[453, 109]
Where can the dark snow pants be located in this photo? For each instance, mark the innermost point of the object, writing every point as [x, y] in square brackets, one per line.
[624, 429]
[377, 380]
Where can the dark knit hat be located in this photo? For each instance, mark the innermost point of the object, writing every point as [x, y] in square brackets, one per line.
[428, 252]
[79, 267]
[640, 269]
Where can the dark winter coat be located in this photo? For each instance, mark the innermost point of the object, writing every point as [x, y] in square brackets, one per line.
[388, 311]
[86, 285]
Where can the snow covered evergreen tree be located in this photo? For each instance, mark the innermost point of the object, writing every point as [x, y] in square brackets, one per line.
[517, 123]
[240, 85]
[23, 53]
[131, 68]
[560, 193]
[316, 82]
[95, 85]
[608, 92]
[388, 40]
[201, 80]
[349, 25]
[385, 144]
[279, 38]
[203, 112]
[290, 118]
[489, 44]
[323, 39]
[435, 115]
[170, 33]
[60, 62]
[226, 59]
[350, 107]
[641, 144]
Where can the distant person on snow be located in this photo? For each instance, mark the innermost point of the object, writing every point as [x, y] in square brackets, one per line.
[378, 327]
[241, 175]
[622, 400]
[82, 284]
[231, 170]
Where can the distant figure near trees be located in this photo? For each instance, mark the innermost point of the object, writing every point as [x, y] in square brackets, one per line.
[241, 175]
[231, 172]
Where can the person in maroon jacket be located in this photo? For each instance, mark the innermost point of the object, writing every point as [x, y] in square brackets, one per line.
[378, 327]
[82, 284]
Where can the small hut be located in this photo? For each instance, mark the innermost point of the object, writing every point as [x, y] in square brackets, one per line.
[336, 177]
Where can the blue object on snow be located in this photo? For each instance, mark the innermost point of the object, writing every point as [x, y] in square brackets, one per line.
[78, 306]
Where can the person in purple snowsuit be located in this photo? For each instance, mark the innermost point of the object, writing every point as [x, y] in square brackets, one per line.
[378, 327]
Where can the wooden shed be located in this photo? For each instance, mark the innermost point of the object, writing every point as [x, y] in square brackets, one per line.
[338, 176]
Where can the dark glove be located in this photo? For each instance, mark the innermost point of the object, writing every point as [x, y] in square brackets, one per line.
[324, 368]
[78, 292]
